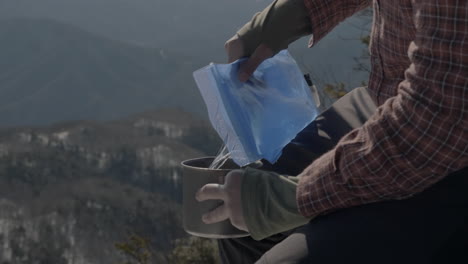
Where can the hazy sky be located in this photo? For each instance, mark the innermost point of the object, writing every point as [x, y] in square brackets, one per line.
[194, 27]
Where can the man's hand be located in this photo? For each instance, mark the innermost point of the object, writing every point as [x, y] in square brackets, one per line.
[269, 32]
[230, 194]
[235, 50]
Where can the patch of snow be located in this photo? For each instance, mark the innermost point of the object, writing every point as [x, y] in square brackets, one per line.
[94, 205]
[103, 160]
[25, 137]
[157, 156]
[169, 130]
[62, 136]
[175, 176]
[43, 139]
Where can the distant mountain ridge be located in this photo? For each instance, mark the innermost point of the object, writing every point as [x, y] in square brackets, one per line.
[69, 191]
[190, 26]
[52, 72]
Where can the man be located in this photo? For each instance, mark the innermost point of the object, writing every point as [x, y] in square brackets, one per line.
[391, 185]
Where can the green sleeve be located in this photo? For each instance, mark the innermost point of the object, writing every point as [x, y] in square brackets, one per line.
[269, 203]
[278, 25]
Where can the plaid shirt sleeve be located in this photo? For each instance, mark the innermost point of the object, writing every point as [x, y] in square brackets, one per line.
[327, 14]
[415, 138]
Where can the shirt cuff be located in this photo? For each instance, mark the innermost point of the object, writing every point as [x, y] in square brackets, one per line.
[269, 203]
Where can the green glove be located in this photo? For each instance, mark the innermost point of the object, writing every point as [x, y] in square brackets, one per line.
[269, 203]
[277, 26]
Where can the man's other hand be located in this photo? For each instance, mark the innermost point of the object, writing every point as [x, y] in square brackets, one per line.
[230, 194]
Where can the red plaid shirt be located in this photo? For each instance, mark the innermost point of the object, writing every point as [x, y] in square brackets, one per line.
[419, 133]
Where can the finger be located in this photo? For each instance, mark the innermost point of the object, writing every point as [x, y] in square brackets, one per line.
[211, 191]
[260, 54]
[219, 214]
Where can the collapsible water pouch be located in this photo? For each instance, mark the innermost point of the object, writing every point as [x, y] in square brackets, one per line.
[258, 118]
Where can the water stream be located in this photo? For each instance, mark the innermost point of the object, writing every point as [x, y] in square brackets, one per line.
[221, 158]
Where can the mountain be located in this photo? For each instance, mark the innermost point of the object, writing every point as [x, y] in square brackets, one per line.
[70, 191]
[142, 149]
[52, 72]
[190, 26]
[198, 28]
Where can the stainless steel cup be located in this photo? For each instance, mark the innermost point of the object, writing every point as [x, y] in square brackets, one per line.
[196, 173]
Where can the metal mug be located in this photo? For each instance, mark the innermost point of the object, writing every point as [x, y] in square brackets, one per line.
[196, 174]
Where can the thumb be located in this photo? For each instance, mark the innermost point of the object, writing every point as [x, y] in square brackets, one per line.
[261, 53]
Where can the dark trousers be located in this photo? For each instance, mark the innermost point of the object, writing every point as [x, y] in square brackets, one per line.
[430, 227]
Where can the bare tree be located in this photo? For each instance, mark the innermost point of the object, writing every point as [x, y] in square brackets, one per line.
[324, 79]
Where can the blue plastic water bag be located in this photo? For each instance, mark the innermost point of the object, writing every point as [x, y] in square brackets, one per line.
[258, 118]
